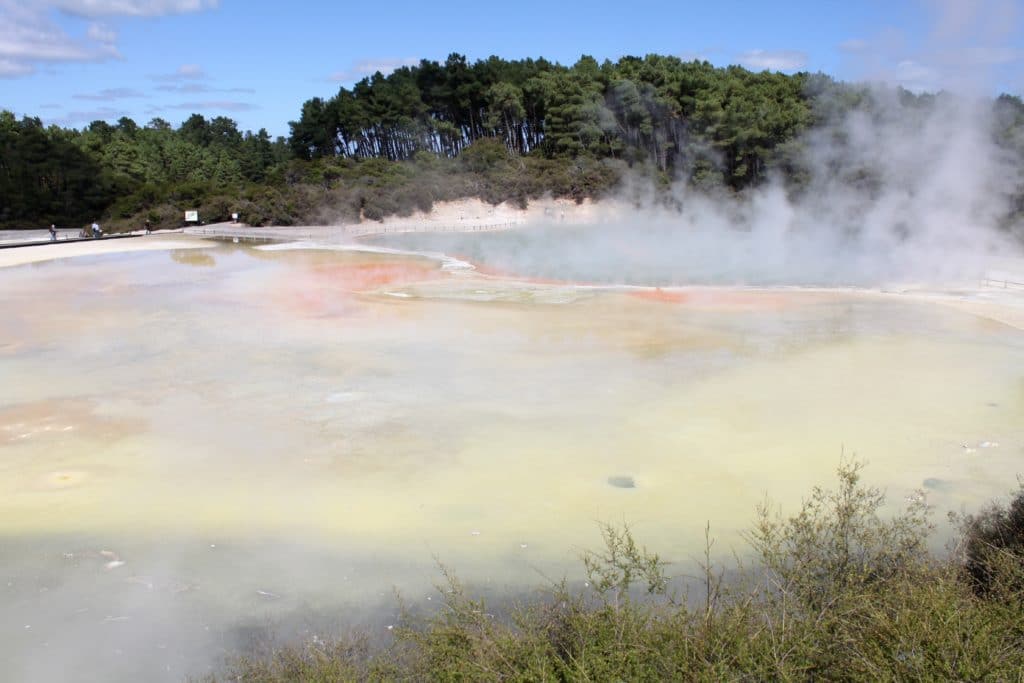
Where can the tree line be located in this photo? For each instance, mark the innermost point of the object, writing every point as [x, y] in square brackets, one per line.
[502, 130]
[675, 115]
[50, 174]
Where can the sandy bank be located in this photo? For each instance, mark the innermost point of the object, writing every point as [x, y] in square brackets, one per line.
[474, 214]
[49, 252]
[464, 215]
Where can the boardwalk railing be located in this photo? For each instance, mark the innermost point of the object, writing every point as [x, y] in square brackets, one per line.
[246, 234]
[357, 230]
[253, 234]
[1001, 283]
[66, 240]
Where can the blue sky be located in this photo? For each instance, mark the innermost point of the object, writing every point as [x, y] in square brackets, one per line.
[72, 61]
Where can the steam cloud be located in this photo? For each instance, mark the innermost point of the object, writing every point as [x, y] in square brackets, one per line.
[897, 194]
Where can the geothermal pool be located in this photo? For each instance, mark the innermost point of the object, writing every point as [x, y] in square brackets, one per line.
[199, 447]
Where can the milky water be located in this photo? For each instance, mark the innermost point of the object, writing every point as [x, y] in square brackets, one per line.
[199, 447]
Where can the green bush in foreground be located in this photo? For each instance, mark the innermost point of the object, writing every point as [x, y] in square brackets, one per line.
[994, 544]
[835, 592]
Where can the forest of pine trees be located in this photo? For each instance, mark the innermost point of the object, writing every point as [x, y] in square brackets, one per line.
[501, 130]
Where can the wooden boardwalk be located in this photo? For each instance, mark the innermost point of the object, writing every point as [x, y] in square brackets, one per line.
[40, 243]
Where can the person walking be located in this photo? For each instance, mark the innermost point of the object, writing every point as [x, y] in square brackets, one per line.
[53, 232]
[97, 231]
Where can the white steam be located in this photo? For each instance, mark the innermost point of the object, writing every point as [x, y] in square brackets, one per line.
[897, 193]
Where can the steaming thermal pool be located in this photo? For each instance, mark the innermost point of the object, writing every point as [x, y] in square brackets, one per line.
[196, 445]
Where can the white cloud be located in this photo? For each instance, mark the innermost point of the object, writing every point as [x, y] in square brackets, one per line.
[132, 8]
[704, 55]
[101, 114]
[185, 87]
[28, 35]
[101, 33]
[185, 72]
[191, 71]
[109, 94]
[954, 20]
[853, 45]
[191, 79]
[12, 69]
[223, 105]
[969, 47]
[991, 56]
[199, 88]
[774, 60]
[915, 76]
[368, 67]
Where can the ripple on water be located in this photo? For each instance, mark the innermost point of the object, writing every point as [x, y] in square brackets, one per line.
[64, 479]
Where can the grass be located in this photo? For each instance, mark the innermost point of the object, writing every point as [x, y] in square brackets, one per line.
[836, 592]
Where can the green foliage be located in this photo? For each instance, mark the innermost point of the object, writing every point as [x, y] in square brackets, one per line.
[613, 572]
[120, 172]
[46, 178]
[838, 542]
[993, 547]
[316, 662]
[265, 206]
[835, 592]
[657, 110]
[485, 154]
[516, 130]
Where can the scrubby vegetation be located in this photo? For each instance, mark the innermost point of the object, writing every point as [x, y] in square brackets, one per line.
[836, 592]
[501, 130]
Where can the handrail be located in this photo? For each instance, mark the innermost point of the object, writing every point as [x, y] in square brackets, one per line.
[66, 240]
[384, 229]
[272, 234]
[996, 282]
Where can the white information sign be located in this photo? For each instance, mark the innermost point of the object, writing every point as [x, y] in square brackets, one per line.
[192, 216]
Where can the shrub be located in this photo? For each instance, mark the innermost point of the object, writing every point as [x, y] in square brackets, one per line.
[484, 155]
[993, 547]
[217, 209]
[835, 592]
[838, 541]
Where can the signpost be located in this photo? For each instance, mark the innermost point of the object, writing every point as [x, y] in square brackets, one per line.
[191, 216]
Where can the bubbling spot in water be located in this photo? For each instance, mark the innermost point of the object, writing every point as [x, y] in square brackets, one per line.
[64, 479]
[10, 348]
